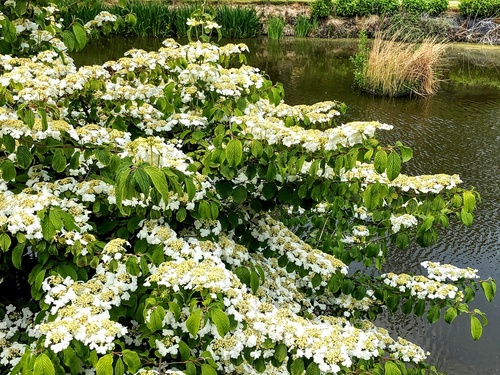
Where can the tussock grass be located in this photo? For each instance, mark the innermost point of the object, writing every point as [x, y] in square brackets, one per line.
[275, 28]
[396, 68]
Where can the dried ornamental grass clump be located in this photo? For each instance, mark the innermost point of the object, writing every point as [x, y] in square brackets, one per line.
[168, 213]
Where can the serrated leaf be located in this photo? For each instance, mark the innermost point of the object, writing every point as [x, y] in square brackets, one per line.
[234, 152]
[450, 315]
[393, 166]
[104, 365]
[476, 328]
[80, 35]
[239, 194]
[221, 321]
[8, 170]
[44, 366]
[184, 350]
[5, 242]
[297, 367]
[204, 210]
[257, 149]
[119, 367]
[17, 255]
[380, 161]
[193, 322]
[243, 274]
[159, 181]
[488, 290]
[207, 369]
[24, 157]
[190, 188]
[469, 201]
[433, 314]
[280, 352]
[132, 360]
[254, 281]
[155, 321]
[313, 369]
[142, 179]
[391, 369]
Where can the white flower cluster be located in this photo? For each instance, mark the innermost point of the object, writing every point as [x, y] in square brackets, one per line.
[20, 213]
[278, 237]
[403, 220]
[443, 272]
[99, 20]
[13, 323]
[274, 131]
[81, 309]
[419, 184]
[422, 287]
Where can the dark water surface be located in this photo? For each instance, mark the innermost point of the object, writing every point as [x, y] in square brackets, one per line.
[455, 131]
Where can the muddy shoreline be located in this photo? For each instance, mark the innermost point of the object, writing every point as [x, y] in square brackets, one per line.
[450, 26]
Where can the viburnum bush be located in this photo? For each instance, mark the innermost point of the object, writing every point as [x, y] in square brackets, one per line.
[168, 213]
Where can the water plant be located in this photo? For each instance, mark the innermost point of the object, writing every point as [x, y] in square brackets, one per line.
[144, 206]
[275, 28]
[397, 68]
[238, 22]
[303, 27]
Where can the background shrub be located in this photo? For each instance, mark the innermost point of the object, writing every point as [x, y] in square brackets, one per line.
[321, 8]
[436, 7]
[415, 6]
[346, 8]
[366, 7]
[387, 7]
[480, 8]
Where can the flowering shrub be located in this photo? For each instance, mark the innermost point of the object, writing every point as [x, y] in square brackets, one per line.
[168, 213]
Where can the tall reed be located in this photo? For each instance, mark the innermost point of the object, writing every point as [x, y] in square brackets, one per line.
[396, 68]
[303, 27]
[275, 28]
[238, 22]
[153, 19]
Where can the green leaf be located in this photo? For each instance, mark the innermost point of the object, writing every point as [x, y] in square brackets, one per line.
[476, 328]
[280, 352]
[71, 360]
[433, 314]
[239, 194]
[204, 210]
[234, 152]
[44, 366]
[194, 321]
[391, 369]
[156, 317]
[450, 315]
[17, 255]
[181, 215]
[142, 179]
[297, 367]
[104, 365]
[221, 321]
[469, 201]
[380, 161]
[257, 149]
[5, 242]
[224, 188]
[406, 153]
[466, 217]
[119, 367]
[393, 166]
[80, 35]
[190, 188]
[254, 281]
[24, 157]
[159, 181]
[207, 369]
[132, 360]
[488, 290]
[8, 170]
[184, 350]
[243, 274]
[313, 369]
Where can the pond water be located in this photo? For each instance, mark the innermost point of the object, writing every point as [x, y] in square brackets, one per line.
[455, 131]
